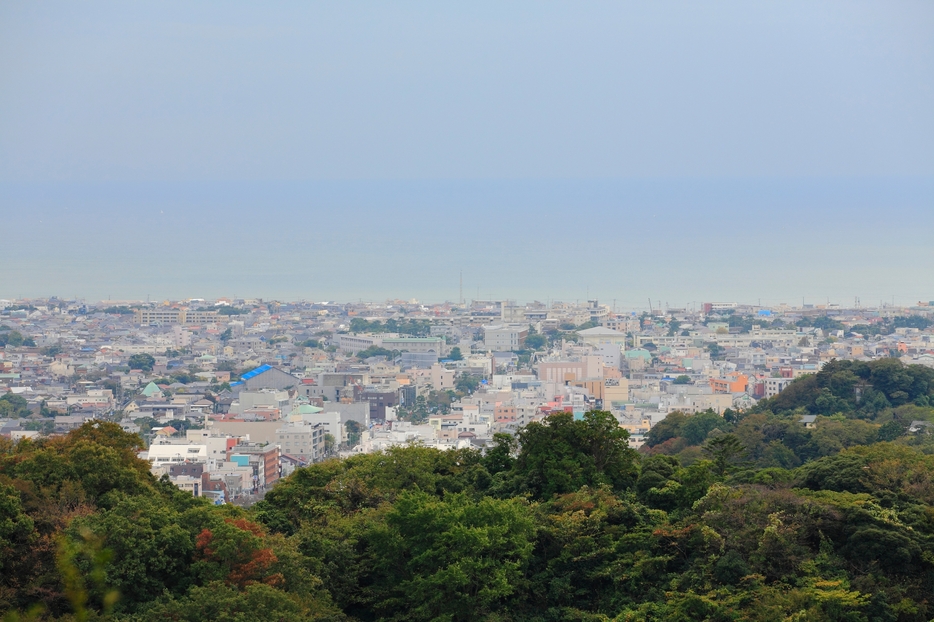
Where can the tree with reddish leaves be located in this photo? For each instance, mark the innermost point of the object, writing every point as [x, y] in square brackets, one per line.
[235, 552]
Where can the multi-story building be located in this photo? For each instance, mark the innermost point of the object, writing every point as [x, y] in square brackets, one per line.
[378, 401]
[505, 337]
[354, 343]
[430, 345]
[774, 386]
[586, 367]
[169, 454]
[164, 315]
[262, 458]
[732, 383]
[302, 440]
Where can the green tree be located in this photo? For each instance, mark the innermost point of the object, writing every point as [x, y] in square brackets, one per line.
[17, 539]
[354, 430]
[439, 401]
[152, 545]
[696, 427]
[501, 457]
[144, 362]
[891, 431]
[52, 351]
[46, 426]
[451, 558]
[374, 351]
[666, 429]
[561, 454]
[216, 601]
[583, 539]
[535, 341]
[11, 338]
[419, 411]
[13, 406]
[466, 383]
[726, 451]
[455, 354]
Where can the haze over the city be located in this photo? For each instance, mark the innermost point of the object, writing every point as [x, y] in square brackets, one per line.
[757, 151]
[522, 311]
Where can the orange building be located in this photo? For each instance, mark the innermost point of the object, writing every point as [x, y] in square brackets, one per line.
[733, 383]
[504, 413]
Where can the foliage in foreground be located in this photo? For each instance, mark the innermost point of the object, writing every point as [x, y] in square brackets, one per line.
[563, 523]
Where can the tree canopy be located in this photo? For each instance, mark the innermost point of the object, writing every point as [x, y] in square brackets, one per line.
[144, 362]
[414, 328]
[759, 519]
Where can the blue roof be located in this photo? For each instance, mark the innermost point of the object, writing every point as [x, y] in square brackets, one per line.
[255, 372]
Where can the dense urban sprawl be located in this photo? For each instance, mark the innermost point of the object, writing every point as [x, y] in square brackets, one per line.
[231, 395]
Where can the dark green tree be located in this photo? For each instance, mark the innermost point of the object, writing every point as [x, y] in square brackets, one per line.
[450, 559]
[666, 429]
[466, 383]
[354, 430]
[11, 338]
[696, 427]
[535, 341]
[13, 406]
[144, 362]
[726, 451]
[561, 454]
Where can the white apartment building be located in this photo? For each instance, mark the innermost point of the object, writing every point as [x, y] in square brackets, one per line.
[302, 441]
[159, 455]
[774, 386]
[505, 337]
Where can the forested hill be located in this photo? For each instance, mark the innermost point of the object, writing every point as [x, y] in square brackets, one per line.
[756, 518]
[852, 402]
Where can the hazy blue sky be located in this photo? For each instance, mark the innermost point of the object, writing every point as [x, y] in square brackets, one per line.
[680, 150]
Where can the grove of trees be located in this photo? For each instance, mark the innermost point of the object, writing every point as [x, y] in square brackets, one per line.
[414, 328]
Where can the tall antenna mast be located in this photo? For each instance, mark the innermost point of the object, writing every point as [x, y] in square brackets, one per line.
[461, 300]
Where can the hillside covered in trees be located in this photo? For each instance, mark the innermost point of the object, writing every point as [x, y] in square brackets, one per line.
[751, 516]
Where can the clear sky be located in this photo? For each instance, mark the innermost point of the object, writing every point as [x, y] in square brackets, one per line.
[682, 151]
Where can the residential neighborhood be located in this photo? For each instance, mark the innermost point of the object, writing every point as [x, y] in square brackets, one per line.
[230, 395]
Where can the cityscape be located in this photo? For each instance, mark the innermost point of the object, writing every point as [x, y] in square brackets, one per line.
[233, 394]
[605, 311]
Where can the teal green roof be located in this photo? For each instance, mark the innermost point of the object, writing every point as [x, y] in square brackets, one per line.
[151, 389]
